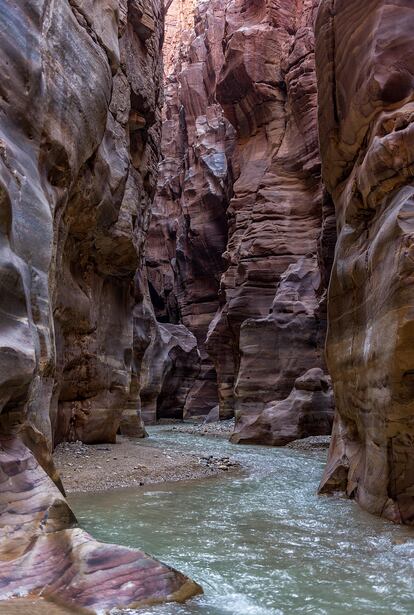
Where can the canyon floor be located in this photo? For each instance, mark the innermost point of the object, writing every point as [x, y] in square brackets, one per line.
[132, 463]
[36, 606]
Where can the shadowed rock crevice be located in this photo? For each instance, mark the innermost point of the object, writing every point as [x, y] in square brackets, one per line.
[189, 228]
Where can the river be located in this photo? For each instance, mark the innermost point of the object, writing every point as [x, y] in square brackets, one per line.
[262, 543]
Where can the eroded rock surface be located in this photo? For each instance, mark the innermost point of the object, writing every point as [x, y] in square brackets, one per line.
[172, 364]
[100, 232]
[44, 554]
[188, 232]
[79, 133]
[366, 85]
[271, 324]
[307, 411]
[240, 200]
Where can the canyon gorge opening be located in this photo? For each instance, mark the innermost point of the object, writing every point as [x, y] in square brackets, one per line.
[206, 216]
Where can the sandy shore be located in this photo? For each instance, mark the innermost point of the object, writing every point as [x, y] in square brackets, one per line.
[131, 463]
[35, 606]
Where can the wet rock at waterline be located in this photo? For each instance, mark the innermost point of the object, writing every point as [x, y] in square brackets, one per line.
[366, 105]
[43, 553]
[228, 304]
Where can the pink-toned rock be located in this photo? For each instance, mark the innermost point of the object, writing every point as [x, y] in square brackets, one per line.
[171, 364]
[307, 411]
[43, 553]
[366, 105]
[188, 232]
[241, 71]
[100, 233]
[278, 349]
[79, 144]
[281, 231]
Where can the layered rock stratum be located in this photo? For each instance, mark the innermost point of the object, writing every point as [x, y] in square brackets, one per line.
[188, 233]
[241, 242]
[79, 142]
[225, 312]
[366, 105]
[271, 325]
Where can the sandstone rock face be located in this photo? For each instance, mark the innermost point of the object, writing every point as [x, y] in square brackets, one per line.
[172, 363]
[286, 341]
[270, 328]
[79, 132]
[188, 233]
[366, 85]
[244, 212]
[307, 411]
[100, 232]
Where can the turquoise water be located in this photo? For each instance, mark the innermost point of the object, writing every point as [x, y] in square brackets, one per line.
[263, 543]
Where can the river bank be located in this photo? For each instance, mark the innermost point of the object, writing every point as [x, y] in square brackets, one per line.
[132, 463]
[35, 606]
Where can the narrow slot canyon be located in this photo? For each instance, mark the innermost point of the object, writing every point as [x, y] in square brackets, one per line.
[206, 307]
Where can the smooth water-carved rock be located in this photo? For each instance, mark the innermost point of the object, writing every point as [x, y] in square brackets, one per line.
[100, 232]
[172, 363]
[79, 137]
[366, 106]
[43, 553]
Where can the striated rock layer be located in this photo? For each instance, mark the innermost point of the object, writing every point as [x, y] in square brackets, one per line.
[43, 553]
[79, 133]
[366, 98]
[241, 242]
[188, 232]
[308, 409]
[100, 227]
[270, 328]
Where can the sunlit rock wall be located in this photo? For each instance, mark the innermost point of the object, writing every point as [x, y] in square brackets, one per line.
[188, 232]
[366, 106]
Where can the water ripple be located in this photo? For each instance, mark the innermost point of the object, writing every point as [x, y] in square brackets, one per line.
[263, 544]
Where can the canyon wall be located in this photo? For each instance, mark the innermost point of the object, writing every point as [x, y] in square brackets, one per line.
[188, 233]
[242, 238]
[79, 142]
[366, 106]
[271, 325]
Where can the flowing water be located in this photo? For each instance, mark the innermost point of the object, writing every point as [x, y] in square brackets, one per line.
[263, 543]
